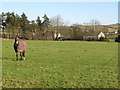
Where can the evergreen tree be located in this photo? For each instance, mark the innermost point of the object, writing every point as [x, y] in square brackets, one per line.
[45, 25]
[13, 24]
[8, 22]
[46, 21]
[38, 21]
[24, 24]
[17, 24]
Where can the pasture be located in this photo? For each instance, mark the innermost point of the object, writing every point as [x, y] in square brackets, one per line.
[61, 64]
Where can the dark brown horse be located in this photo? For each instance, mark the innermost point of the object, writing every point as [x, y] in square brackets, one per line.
[20, 46]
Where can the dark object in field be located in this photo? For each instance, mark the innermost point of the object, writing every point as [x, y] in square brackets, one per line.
[67, 39]
[117, 39]
[20, 46]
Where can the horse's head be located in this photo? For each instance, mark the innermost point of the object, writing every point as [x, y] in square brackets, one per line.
[16, 39]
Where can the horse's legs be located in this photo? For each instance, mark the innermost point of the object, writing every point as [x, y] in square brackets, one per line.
[20, 55]
[16, 55]
[23, 55]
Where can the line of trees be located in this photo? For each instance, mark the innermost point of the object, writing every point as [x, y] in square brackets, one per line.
[12, 24]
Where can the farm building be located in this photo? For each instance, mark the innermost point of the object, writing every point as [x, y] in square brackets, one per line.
[96, 36]
[57, 35]
[101, 34]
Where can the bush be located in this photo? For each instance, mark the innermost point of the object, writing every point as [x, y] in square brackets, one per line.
[91, 39]
[103, 39]
[96, 39]
[117, 39]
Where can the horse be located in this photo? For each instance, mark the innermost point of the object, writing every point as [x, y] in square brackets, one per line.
[20, 46]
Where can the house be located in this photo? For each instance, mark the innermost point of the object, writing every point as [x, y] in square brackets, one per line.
[101, 34]
[57, 35]
[94, 37]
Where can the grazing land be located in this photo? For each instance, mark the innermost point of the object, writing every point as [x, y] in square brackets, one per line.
[56, 64]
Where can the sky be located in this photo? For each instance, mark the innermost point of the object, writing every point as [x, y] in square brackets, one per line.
[71, 12]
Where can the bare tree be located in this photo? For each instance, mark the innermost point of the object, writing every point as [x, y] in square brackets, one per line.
[56, 21]
[94, 22]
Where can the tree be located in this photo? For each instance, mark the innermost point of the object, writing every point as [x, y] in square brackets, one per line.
[56, 22]
[3, 24]
[9, 23]
[94, 23]
[45, 25]
[46, 21]
[39, 22]
[77, 32]
[92, 27]
[33, 28]
[17, 24]
[12, 22]
[24, 24]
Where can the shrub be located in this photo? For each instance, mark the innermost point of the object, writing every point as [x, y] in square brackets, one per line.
[117, 39]
[103, 39]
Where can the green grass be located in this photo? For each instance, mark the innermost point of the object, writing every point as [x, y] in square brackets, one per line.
[56, 64]
[111, 40]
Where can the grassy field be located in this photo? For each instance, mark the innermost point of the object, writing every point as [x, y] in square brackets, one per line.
[68, 64]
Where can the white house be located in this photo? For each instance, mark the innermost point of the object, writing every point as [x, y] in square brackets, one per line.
[101, 34]
[116, 32]
[57, 35]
